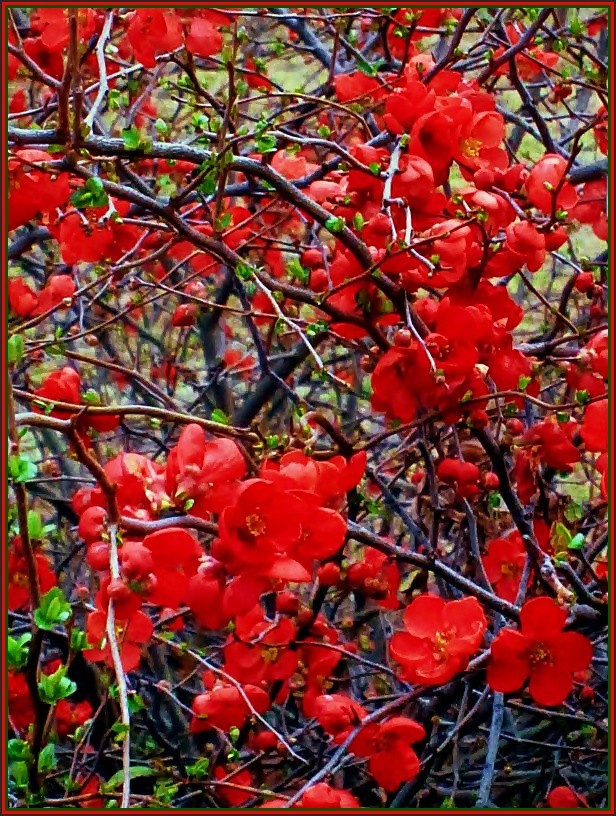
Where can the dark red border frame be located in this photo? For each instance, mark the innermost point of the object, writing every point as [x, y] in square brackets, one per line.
[6, 4]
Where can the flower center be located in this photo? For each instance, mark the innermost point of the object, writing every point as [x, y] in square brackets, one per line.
[270, 654]
[471, 147]
[510, 570]
[255, 525]
[540, 654]
[20, 579]
[441, 640]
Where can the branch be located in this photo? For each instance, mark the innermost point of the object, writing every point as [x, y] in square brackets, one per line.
[103, 85]
[114, 571]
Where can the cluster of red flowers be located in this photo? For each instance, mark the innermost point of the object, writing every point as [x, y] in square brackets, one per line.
[446, 216]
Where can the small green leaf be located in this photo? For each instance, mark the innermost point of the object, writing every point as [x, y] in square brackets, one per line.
[15, 348]
[131, 138]
[21, 468]
[135, 772]
[17, 650]
[577, 542]
[560, 539]
[524, 382]
[35, 525]
[56, 686]
[161, 127]
[54, 610]
[266, 144]
[47, 759]
[335, 223]
[79, 640]
[199, 769]
[219, 416]
[92, 194]
[18, 751]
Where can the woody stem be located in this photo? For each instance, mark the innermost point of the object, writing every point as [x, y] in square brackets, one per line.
[114, 571]
[21, 500]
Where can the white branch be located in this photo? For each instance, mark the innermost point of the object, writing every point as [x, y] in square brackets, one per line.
[114, 570]
[103, 86]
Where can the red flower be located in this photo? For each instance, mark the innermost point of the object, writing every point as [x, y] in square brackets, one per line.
[58, 289]
[565, 798]
[540, 651]
[224, 707]
[594, 427]
[526, 245]
[260, 649]
[204, 472]
[153, 31]
[70, 716]
[337, 715]
[62, 386]
[204, 39]
[132, 635]
[463, 475]
[550, 442]
[544, 179]
[440, 637]
[20, 706]
[185, 315]
[323, 796]
[65, 386]
[232, 793]
[504, 562]
[22, 299]
[263, 522]
[18, 589]
[33, 191]
[376, 576]
[204, 595]
[391, 759]
[140, 484]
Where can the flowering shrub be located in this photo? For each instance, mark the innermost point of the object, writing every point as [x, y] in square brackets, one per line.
[308, 407]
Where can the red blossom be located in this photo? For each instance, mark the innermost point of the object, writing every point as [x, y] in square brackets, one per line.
[440, 638]
[540, 652]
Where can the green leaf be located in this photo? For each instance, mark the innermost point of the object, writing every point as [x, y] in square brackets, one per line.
[35, 526]
[574, 511]
[18, 773]
[161, 127]
[524, 382]
[118, 778]
[577, 542]
[21, 468]
[561, 538]
[220, 417]
[199, 769]
[131, 138]
[335, 223]
[18, 751]
[15, 349]
[370, 69]
[266, 144]
[92, 194]
[91, 397]
[47, 759]
[17, 650]
[297, 272]
[56, 686]
[79, 640]
[54, 610]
